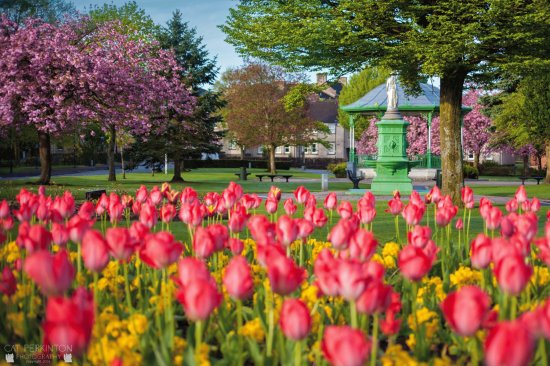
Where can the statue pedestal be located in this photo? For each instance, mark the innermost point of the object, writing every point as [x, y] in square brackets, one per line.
[392, 165]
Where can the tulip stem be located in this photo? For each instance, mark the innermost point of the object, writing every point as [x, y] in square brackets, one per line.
[542, 351]
[198, 336]
[397, 229]
[78, 262]
[353, 313]
[270, 330]
[513, 307]
[298, 354]
[240, 338]
[374, 339]
[127, 287]
[301, 253]
[475, 352]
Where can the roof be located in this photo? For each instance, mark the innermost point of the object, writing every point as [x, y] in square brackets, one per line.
[376, 100]
[324, 110]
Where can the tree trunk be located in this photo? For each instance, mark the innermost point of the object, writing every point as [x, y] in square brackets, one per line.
[122, 162]
[525, 165]
[272, 168]
[111, 154]
[449, 130]
[476, 160]
[547, 179]
[242, 152]
[45, 153]
[177, 171]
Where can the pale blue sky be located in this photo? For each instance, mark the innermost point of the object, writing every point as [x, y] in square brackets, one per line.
[205, 15]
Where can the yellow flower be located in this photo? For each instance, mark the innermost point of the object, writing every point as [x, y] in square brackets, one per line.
[313, 352]
[137, 324]
[127, 341]
[428, 320]
[102, 283]
[10, 252]
[179, 344]
[309, 294]
[377, 258]
[465, 276]
[16, 321]
[253, 329]
[201, 355]
[540, 277]
[396, 356]
[430, 286]
[389, 262]
[391, 249]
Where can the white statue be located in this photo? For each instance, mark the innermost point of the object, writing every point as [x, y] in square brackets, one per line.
[391, 89]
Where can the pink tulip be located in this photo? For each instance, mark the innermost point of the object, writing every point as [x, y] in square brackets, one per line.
[236, 246]
[295, 320]
[167, 213]
[275, 193]
[395, 206]
[284, 275]
[481, 249]
[509, 343]
[412, 214]
[331, 201]
[414, 263]
[237, 220]
[204, 244]
[77, 227]
[326, 271]
[319, 218]
[419, 236]
[271, 205]
[493, 218]
[345, 210]
[353, 279]
[87, 210]
[467, 196]
[199, 298]
[362, 245]
[8, 283]
[160, 250]
[341, 233]
[4, 209]
[290, 207]
[521, 195]
[466, 309]
[287, 230]
[345, 346]
[191, 269]
[95, 251]
[237, 279]
[512, 274]
[512, 205]
[148, 215]
[375, 298]
[301, 194]
[120, 243]
[53, 274]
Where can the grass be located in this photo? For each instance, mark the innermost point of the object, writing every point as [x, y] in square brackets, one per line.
[203, 180]
[541, 191]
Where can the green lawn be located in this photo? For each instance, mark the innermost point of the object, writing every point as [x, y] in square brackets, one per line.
[541, 191]
[203, 180]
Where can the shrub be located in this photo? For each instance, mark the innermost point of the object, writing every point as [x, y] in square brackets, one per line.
[470, 172]
[339, 170]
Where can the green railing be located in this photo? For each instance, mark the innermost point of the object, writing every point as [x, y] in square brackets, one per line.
[422, 161]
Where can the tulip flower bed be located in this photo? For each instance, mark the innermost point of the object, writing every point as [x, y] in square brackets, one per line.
[107, 283]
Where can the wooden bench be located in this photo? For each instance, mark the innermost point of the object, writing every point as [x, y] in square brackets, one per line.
[354, 178]
[538, 179]
[239, 175]
[95, 195]
[272, 176]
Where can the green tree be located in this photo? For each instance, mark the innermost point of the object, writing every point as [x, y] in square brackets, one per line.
[199, 69]
[359, 85]
[523, 116]
[447, 38]
[257, 113]
[48, 10]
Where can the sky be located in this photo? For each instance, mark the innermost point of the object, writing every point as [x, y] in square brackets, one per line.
[205, 15]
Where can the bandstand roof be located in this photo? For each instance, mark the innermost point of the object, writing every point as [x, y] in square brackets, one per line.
[376, 100]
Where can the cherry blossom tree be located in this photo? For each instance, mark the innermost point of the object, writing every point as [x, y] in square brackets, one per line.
[55, 77]
[476, 127]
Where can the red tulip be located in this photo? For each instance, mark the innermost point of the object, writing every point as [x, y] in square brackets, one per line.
[4, 209]
[345, 346]
[289, 206]
[366, 214]
[138, 232]
[219, 234]
[53, 273]
[301, 194]
[521, 195]
[77, 227]
[203, 243]
[295, 320]
[228, 198]
[481, 248]
[8, 283]
[237, 279]
[120, 243]
[319, 218]
[395, 206]
[87, 210]
[247, 201]
[237, 221]
[353, 279]
[95, 251]
[141, 194]
[287, 230]
[167, 212]
[535, 205]
[466, 309]
[341, 233]
[390, 325]
[35, 239]
[512, 205]
[467, 197]
[275, 193]
[375, 298]
[509, 343]
[284, 275]
[512, 274]
[160, 250]
[311, 202]
[412, 214]
[305, 228]
[419, 236]
[148, 215]
[345, 210]
[459, 225]
[189, 196]
[69, 322]
[236, 188]
[331, 201]
[24, 214]
[414, 263]
[271, 205]
[262, 230]
[64, 204]
[236, 246]
[326, 271]
[526, 225]
[434, 195]
[155, 196]
[199, 298]
[362, 245]
[445, 214]
[493, 218]
[7, 223]
[127, 200]
[191, 269]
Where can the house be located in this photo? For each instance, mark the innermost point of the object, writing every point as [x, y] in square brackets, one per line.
[323, 108]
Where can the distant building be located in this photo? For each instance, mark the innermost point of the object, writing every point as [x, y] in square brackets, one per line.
[323, 108]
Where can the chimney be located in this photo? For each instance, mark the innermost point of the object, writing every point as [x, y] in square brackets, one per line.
[321, 78]
[343, 80]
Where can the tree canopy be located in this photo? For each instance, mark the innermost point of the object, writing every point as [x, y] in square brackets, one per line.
[448, 38]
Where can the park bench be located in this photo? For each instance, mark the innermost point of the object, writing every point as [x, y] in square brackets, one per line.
[95, 195]
[354, 178]
[538, 179]
[239, 175]
[272, 176]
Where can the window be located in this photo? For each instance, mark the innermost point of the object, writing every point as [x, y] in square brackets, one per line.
[332, 128]
[311, 149]
[260, 149]
[287, 149]
[470, 155]
[232, 145]
[331, 150]
[279, 150]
